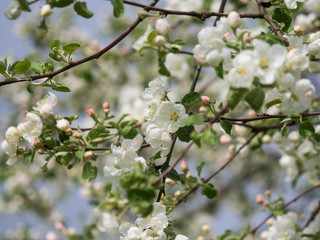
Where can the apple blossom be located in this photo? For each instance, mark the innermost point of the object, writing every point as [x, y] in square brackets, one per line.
[46, 105]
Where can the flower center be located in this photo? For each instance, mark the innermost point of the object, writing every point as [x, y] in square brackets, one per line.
[290, 47]
[264, 63]
[241, 70]
[174, 116]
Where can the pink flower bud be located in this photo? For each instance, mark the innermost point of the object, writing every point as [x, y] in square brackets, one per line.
[68, 131]
[203, 109]
[205, 99]
[90, 112]
[267, 193]
[58, 225]
[270, 221]
[188, 175]
[252, 113]
[35, 144]
[246, 37]
[40, 151]
[298, 30]
[170, 182]
[259, 199]
[184, 166]
[200, 238]
[76, 134]
[265, 203]
[206, 229]
[106, 105]
[177, 193]
[225, 139]
[106, 110]
[88, 154]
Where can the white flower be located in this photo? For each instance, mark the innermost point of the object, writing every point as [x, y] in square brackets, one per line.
[292, 4]
[290, 164]
[170, 116]
[271, 59]
[186, 5]
[45, 106]
[155, 136]
[156, 90]
[162, 26]
[157, 220]
[31, 128]
[107, 223]
[151, 110]
[143, 39]
[244, 68]
[63, 124]
[13, 135]
[181, 237]
[9, 148]
[234, 19]
[177, 66]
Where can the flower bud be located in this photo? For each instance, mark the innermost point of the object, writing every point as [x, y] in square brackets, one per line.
[266, 139]
[46, 10]
[252, 113]
[246, 38]
[188, 175]
[203, 109]
[267, 193]
[206, 229]
[106, 110]
[58, 225]
[184, 166]
[265, 203]
[76, 134]
[298, 30]
[162, 26]
[270, 221]
[225, 139]
[40, 151]
[170, 182]
[88, 154]
[200, 238]
[106, 105]
[177, 193]
[35, 144]
[13, 11]
[259, 199]
[205, 99]
[68, 131]
[159, 41]
[63, 124]
[90, 112]
[234, 19]
[143, 14]
[51, 236]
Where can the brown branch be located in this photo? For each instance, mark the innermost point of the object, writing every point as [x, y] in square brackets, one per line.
[271, 23]
[201, 15]
[216, 172]
[283, 207]
[221, 10]
[92, 149]
[86, 59]
[312, 216]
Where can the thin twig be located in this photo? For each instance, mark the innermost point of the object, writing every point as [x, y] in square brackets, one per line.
[312, 216]
[216, 172]
[221, 10]
[86, 59]
[283, 207]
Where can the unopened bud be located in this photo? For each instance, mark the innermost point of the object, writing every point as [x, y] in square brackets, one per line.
[225, 139]
[71, 231]
[51, 236]
[184, 166]
[58, 225]
[246, 37]
[203, 109]
[106, 110]
[88, 154]
[265, 203]
[35, 144]
[266, 139]
[90, 112]
[13, 11]
[177, 193]
[226, 36]
[188, 175]
[76, 134]
[252, 113]
[159, 41]
[270, 221]
[200, 238]
[68, 131]
[162, 26]
[170, 182]
[267, 193]
[234, 19]
[259, 199]
[40, 151]
[106, 105]
[298, 30]
[205, 99]
[46, 10]
[143, 14]
[63, 124]
[206, 229]
[309, 94]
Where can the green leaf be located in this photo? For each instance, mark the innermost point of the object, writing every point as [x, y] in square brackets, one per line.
[118, 8]
[60, 88]
[80, 154]
[235, 45]
[306, 129]
[89, 172]
[65, 160]
[61, 148]
[30, 88]
[255, 98]
[199, 168]
[22, 66]
[29, 155]
[273, 102]
[208, 190]
[37, 67]
[162, 68]
[24, 5]
[226, 125]
[219, 70]
[210, 137]
[284, 130]
[234, 96]
[270, 38]
[283, 15]
[3, 67]
[98, 132]
[129, 132]
[191, 99]
[173, 173]
[61, 3]
[71, 47]
[82, 10]
[55, 44]
[196, 119]
[184, 133]
[151, 36]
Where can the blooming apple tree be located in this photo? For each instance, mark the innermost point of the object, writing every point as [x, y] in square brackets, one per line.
[201, 86]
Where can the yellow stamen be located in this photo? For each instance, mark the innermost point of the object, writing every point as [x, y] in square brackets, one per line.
[264, 63]
[174, 116]
[241, 70]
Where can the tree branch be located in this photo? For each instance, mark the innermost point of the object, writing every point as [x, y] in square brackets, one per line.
[312, 216]
[221, 10]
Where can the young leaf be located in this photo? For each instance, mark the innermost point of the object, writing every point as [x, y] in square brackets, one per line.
[60, 88]
[234, 96]
[82, 10]
[283, 15]
[22, 66]
[61, 3]
[219, 70]
[162, 68]
[196, 119]
[184, 133]
[172, 175]
[3, 68]
[118, 8]
[98, 132]
[37, 67]
[190, 99]
[55, 44]
[210, 136]
[89, 172]
[226, 125]
[71, 47]
[306, 129]
[208, 190]
[273, 102]
[255, 98]
[24, 5]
